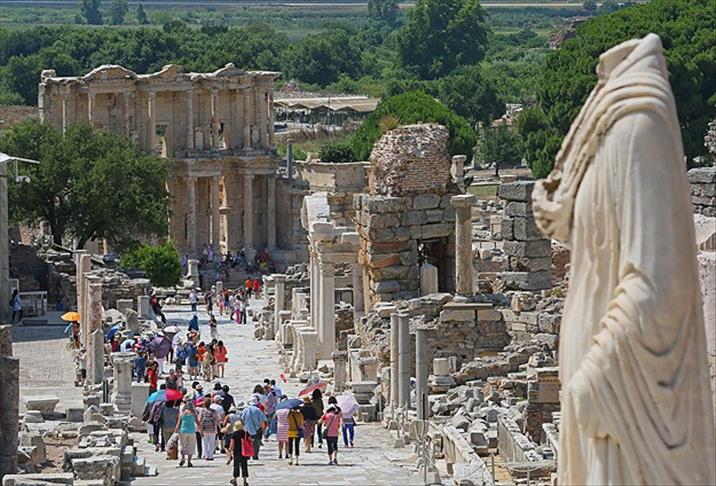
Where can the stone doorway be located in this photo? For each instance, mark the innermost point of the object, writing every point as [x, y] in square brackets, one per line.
[435, 252]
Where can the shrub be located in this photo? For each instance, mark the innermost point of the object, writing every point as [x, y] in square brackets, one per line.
[336, 152]
[160, 263]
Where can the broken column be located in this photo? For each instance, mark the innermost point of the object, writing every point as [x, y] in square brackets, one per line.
[404, 367]
[122, 364]
[464, 280]
[9, 412]
[193, 272]
[428, 279]
[84, 265]
[327, 308]
[394, 349]
[340, 361]
[421, 373]
[143, 308]
[95, 349]
[279, 297]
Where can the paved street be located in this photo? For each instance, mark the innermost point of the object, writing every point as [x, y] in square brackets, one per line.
[372, 461]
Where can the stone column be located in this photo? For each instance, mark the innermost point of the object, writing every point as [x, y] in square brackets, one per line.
[464, 280]
[83, 265]
[421, 373]
[126, 96]
[215, 118]
[190, 119]
[122, 364]
[340, 361]
[428, 279]
[152, 120]
[191, 215]
[91, 108]
[65, 110]
[315, 290]
[5, 294]
[357, 282]
[394, 350]
[193, 272]
[279, 280]
[271, 212]
[247, 96]
[95, 350]
[327, 331]
[10, 410]
[404, 367]
[215, 214]
[269, 116]
[262, 112]
[249, 213]
[143, 308]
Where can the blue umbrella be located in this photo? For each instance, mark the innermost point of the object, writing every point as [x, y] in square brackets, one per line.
[158, 395]
[113, 330]
[290, 403]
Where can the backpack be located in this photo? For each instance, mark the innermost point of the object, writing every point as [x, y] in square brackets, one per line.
[207, 420]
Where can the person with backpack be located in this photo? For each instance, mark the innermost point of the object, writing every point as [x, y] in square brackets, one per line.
[209, 423]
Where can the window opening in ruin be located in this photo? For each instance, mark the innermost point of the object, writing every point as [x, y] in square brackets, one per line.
[434, 252]
[161, 131]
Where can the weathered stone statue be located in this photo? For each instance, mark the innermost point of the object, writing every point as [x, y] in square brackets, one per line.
[635, 399]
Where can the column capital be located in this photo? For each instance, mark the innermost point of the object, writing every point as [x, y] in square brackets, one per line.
[326, 266]
[463, 200]
[152, 95]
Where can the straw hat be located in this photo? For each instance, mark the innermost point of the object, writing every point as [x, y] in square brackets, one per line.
[307, 399]
[238, 425]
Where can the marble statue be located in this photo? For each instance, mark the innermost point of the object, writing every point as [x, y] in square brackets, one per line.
[635, 390]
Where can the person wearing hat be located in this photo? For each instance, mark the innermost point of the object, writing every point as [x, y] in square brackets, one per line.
[310, 417]
[255, 422]
[236, 453]
[332, 421]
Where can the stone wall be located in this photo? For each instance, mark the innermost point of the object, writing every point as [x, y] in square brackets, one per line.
[703, 190]
[28, 267]
[528, 254]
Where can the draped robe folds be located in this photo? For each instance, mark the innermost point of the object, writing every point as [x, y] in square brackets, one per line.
[636, 405]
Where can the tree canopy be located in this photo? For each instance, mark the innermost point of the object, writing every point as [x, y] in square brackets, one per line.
[384, 11]
[89, 184]
[408, 108]
[160, 263]
[688, 32]
[442, 35]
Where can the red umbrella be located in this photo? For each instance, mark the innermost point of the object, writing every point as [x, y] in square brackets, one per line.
[310, 388]
[173, 395]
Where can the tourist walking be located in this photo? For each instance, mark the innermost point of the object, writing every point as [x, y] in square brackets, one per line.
[254, 421]
[332, 420]
[317, 400]
[295, 432]
[186, 426]
[16, 306]
[309, 422]
[213, 326]
[239, 439]
[193, 300]
[169, 415]
[257, 288]
[208, 299]
[209, 422]
[282, 427]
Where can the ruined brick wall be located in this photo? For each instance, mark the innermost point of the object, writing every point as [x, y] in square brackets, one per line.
[528, 254]
[411, 159]
[703, 190]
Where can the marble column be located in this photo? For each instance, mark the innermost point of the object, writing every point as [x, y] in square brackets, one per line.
[428, 279]
[249, 212]
[95, 350]
[91, 108]
[65, 111]
[215, 214]
[190, 119]
[464, 280]
[247, 98]
[421, 372]
[315, 290]
[191, 215]
[340, 362]
[279, 280]
[269, 115]
[10, 410]
[83, 265]
[394, 350]
[357, 282]
[261, 100]
[271, 212]
[215, 142]
[327, 322]
[152, 120]
[122, 364]
[404, 367]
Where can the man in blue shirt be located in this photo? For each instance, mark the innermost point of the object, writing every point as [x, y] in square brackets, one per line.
[254, 422]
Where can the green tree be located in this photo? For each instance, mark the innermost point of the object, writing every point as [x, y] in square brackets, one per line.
[117, 10]
[590, 7]
[90, 11]
[341, 151]
[442, 35]
[407, 108]
[321, 58]
[469, 94]
[688, 32]
[141, 15]
[160, 263]
[89, 184]
[384, 11]
[498, 146]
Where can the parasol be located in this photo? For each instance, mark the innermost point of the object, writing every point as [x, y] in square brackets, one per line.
[158, 395]
[347, 404]
[113, 330]
[160, 346]
[310, 389]
[70, 316]
[173, 395]
[290, 403]
[171, 330]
